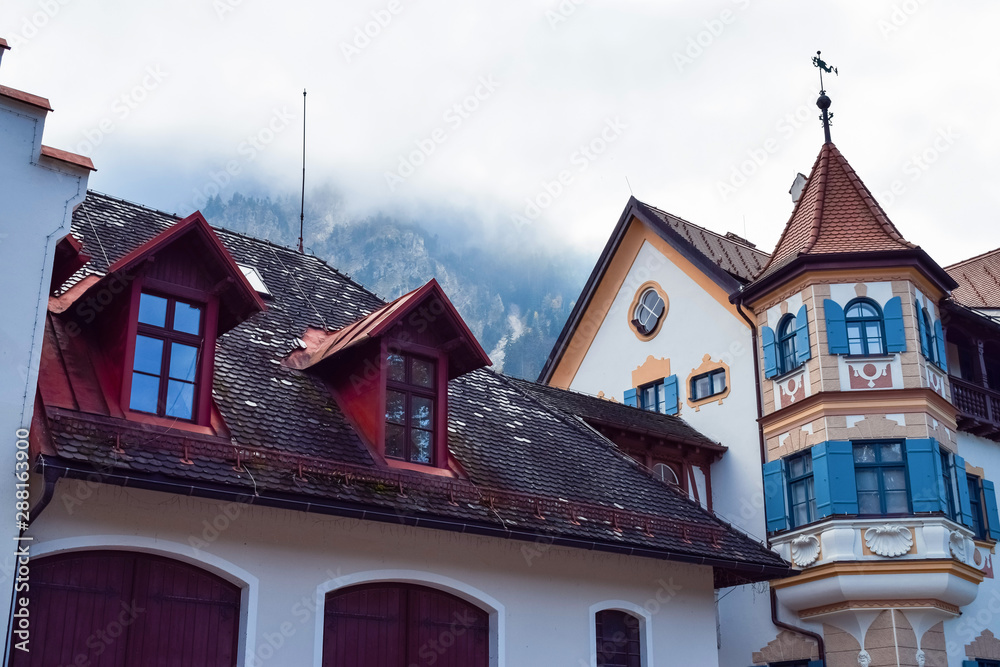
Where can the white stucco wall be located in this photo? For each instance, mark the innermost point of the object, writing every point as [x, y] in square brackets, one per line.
[37, 196]
[543, 598]
[696, 325]
[984, 612]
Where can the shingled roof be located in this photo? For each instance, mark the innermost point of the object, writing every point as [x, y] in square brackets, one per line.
[978, 280]
[835, 214]
[531, 468]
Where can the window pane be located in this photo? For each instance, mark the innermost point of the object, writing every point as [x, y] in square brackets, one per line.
[187, 318]
[718, 382]
[874, 333]
[649, 398]
[148, 355]
[145, 392]
[891, 452]
[868, 503]
[395, 407]
[854, 338]
[422, 412]
[420, 450]
[867, 479]
[180, 399]
[797, 466]
[800, 515]
[183, 362]
[701, 387]
[153, 310]
[894, 479]
[397, 368]
[422, 373]
[394, 439]
[799, 493]
[895, 502]
[864, 453]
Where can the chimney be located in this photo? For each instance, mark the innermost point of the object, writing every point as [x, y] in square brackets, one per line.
[4, 47]
[797, 186]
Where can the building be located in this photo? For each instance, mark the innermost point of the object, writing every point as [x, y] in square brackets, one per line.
[239, 456]
[860, 378]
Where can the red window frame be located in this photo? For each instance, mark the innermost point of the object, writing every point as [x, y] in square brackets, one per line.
[439, 443]
[202, 398]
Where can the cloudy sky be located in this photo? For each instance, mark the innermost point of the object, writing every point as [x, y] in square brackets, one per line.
[528, 116]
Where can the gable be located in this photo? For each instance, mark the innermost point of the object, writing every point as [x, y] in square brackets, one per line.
[581, 331]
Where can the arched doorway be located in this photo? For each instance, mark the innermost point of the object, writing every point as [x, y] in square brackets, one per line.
[397, 625]
[121, 608]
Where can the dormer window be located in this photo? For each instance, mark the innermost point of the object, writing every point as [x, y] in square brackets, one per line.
[410, 408]
[168, 348]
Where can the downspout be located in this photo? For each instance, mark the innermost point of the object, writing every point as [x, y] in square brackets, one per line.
[820, 645]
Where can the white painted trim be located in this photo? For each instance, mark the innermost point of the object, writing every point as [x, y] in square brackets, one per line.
[498, 614]
[248, 583]
[645, 629]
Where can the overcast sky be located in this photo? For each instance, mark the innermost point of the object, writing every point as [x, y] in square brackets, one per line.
[528, 115]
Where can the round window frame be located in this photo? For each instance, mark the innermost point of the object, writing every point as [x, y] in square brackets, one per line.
[630, 315]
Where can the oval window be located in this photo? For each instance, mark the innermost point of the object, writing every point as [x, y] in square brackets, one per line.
[648, 312]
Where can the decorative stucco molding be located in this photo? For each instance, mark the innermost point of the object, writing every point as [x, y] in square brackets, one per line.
[985, 646]
[708, 365]
[889, 540]
[956, 542]
[785, 647]
[879, 604]
[805, 550]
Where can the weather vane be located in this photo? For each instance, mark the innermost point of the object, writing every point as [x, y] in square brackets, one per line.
[824, 102]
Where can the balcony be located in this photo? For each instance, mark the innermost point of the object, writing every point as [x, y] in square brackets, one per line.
[978, 408]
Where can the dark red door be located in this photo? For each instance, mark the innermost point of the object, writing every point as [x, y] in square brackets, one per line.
[402, 625]
[124, 609]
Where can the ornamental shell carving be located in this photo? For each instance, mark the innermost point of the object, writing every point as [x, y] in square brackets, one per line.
[805, 550]
[956, 542]
[888, 540]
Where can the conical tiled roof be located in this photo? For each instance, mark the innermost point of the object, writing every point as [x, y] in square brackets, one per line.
[835, 214]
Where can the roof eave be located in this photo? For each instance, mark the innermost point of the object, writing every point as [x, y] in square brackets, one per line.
[915, 257]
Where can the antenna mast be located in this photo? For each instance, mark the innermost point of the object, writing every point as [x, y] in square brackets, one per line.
[302, 212]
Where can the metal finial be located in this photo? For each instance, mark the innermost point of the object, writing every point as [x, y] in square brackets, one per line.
[824, 102]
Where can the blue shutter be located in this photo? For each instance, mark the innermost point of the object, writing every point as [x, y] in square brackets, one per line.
[925, 347]
[816, 663]
[631, 399]
[775, 510]
[924, 474]
[942, 351]
[836, 327]
[962, 484]
[670, 397]
[970, 663]
[895, 332]
[802, 350]
[770, 352]
[833, 478]
[990, 507]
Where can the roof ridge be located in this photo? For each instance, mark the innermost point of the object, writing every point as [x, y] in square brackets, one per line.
[743, 244]
[869, 199]
[971, 259]
[254, 239]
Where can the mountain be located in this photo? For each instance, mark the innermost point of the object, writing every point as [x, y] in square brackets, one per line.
[515, 295]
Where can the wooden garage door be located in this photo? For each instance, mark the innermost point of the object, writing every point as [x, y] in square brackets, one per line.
[123, 609]
[398, 625]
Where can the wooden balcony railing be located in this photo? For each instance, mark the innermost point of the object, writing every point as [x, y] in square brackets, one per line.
[979, 408]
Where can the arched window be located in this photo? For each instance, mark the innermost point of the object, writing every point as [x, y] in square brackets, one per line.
[397, 625]
[865, 329]
[666, 474]
[120, 609]
[618, 640]
[786, 344]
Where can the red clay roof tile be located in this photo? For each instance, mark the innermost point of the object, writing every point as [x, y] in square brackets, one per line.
[978, 280]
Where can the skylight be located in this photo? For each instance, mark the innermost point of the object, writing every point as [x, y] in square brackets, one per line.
[253, 277]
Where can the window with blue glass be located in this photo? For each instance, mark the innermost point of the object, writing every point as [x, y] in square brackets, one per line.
[168, 350]
[865, 329]
[802, 494]
[787, 358]
[652, 397]
[929, 344]
[880, 476]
